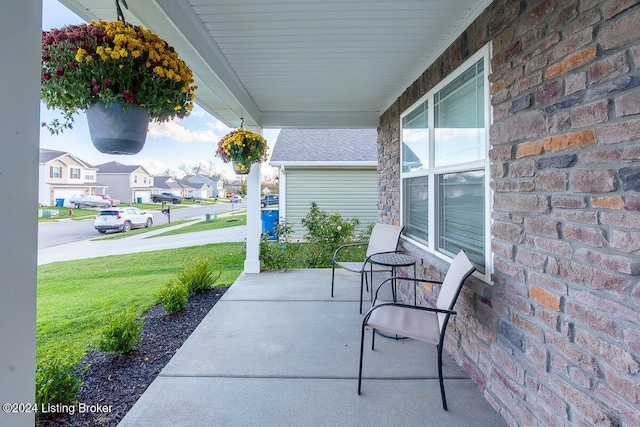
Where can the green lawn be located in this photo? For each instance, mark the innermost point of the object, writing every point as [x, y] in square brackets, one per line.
[224, 222]
[74, 297]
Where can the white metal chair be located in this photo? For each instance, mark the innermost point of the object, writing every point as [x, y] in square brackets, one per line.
[427, 324]
[384, 238]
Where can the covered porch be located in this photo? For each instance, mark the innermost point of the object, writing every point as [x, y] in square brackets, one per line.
[278, 350]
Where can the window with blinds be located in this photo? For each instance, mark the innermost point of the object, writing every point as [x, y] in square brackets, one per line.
[445, 168]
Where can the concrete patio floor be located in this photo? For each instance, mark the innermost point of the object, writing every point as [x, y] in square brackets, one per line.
[277, 350]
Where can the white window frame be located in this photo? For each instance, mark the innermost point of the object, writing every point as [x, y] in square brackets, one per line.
[433, 172]
[75, 173]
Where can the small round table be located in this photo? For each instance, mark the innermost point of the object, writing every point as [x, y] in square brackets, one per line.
[393, 260]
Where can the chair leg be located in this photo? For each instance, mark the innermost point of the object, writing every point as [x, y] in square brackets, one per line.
[442, 393]
[373, 338]
[333, 276]
[361, 356]
[361, 289]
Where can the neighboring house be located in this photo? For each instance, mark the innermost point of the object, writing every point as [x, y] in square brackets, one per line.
[193, 190]
[167, 184]
[63, 175]
[214, 183]
[129, 183]
[336, 168]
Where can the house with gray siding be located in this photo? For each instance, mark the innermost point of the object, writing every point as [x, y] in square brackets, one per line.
[127, 182]
[336, 168]
[214, 184]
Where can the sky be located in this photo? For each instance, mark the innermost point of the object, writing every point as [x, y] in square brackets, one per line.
[169, 145]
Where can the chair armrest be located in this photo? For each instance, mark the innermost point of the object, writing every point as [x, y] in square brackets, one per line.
[415, 281]
[335, 254]
[408, 306]
[380, 253]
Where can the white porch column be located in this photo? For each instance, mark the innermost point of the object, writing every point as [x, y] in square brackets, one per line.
[20, 48]
[254, 222]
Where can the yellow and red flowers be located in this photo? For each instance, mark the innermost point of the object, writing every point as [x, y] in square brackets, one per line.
[113, 62]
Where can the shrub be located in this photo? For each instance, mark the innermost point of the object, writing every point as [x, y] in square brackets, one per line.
[57, 382]
[277, 255]
[325, 233]
[197, 275]
[121, 333]
[174, 296]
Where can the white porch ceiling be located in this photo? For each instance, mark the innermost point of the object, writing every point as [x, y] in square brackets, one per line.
[299, 63]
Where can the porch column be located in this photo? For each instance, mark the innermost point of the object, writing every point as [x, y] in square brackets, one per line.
[254, 222]
[20, 48]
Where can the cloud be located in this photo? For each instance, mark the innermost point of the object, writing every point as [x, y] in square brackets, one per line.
[212, 132]
[154, 166]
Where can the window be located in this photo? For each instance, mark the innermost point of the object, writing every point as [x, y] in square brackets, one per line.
[55, 172]
[74, 173]
[89, 177]
[445, 168]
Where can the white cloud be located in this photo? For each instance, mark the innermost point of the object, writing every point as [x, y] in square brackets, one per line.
[153, 166]
[176, 132]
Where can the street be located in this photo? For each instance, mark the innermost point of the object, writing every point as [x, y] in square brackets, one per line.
[67, 231]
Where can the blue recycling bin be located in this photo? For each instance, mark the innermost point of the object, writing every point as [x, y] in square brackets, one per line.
[139, 200]
[60, 202]
[269, 220]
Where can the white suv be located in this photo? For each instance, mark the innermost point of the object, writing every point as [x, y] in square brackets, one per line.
[122, 219]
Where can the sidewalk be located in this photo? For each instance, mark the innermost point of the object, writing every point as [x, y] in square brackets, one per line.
[277, 350]
[139, 243]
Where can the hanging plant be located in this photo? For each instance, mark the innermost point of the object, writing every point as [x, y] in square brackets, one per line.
[242, 147]
[112, 63]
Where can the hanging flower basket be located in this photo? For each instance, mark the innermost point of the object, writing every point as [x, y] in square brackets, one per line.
[115, 64]
[242, 148]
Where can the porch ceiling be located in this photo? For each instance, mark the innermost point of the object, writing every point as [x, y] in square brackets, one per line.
[299, 63]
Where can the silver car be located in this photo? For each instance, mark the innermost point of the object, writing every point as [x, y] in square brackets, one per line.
[122, 219]
[89, 201]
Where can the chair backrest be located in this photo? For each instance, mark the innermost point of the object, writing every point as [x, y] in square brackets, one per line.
[459, 270]
[384, 238]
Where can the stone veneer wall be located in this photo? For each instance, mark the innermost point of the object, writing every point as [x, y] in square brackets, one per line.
[556, 339]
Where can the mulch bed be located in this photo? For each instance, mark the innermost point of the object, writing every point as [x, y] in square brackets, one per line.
[116, 382]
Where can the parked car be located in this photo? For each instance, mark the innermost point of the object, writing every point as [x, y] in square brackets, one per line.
[270, 199]
[122, 219]
[114, 202]
[236, 198]
[166, 197]
[89, 201]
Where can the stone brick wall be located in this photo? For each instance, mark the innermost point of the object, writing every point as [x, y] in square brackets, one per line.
[556, 339]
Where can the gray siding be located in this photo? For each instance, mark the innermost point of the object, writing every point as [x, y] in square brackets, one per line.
[351, 192]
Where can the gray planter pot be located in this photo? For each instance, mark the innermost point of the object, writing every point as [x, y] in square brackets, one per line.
[116, 131]
[237, 169]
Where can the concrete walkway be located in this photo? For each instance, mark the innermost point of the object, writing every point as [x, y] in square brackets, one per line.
[276, 350]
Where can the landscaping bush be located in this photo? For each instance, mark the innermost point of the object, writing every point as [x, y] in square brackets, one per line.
[57, 383]
[121, 333]
[325, 233]
[173, 297]
[278, 255]
[198, 276]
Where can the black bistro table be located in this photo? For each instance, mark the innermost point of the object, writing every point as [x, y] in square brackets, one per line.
[393, 260]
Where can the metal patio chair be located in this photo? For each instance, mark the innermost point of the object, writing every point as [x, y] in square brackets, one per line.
[428, 324]
[384, 238]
